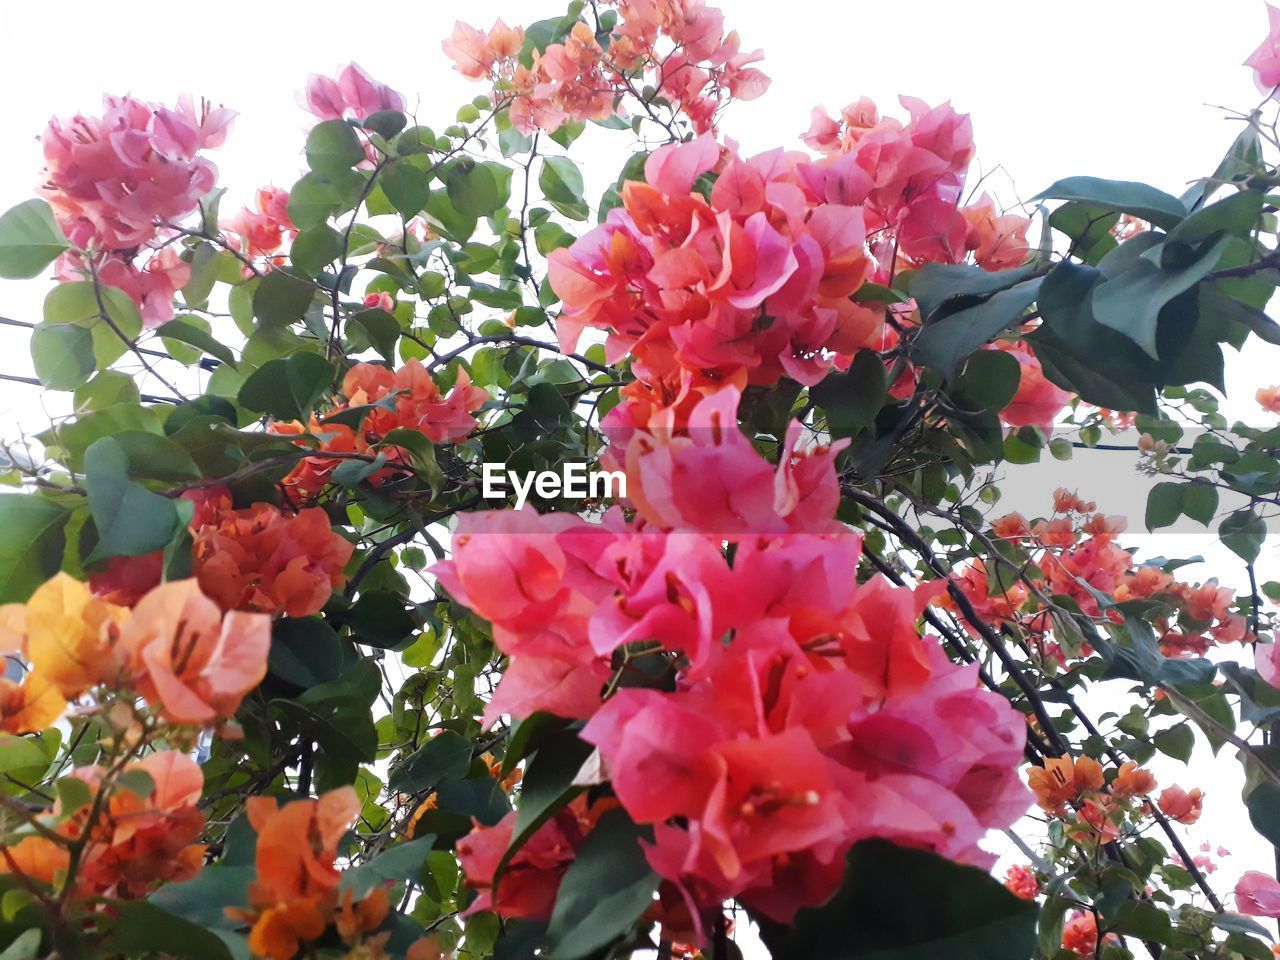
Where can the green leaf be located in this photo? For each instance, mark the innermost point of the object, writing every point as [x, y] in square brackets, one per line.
[306, 652]
[17, 753]
[935, 283]
[312, 201]
[288, 388]
[1200, 501]
[1242, 533]
[382, 329]
[1164, 505]
[446, 756]
[989, 381]
[115, 324]
[379, 618]
[403, 862]
[1176, 742]
[1081, 355]
[184, 330]
[851, 400]
[315, 248]
[282, 297]
[477, 189]
[130, 519]
[1089, 228]
[547, 786]
[561, 183]
[1237, 214]
[144, 929]
[333, 148]
[1263, 804]
[1123, 196]
[970, 915]
[62, 354]
[1130, 302]
[30, 240]
[605, 891]
[155, 457]
[407, 184]
[945, 343]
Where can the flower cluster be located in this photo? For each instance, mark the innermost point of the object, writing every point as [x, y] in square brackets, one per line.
[175, 648]
[407, 399]
[260, 231]
[1073, 553]
[259, 559]
[1096, 807]
[117, 181]
[295, 896]
[138, 839]
[678, 49]
[749, 283]
[911, 176]
[762, 713]
[353, 93]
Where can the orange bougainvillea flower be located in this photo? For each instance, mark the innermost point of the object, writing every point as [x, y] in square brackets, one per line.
[1181, 805]
[192, 662]
[1132, 781]
[295, 894]
[37, 858]
[265, 561]
[29, 706]
[68, 635]
[139, 841]
[1063, 780]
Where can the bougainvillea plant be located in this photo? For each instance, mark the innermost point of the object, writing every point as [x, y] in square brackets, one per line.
[289, 676]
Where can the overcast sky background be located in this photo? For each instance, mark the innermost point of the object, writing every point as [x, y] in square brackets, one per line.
[1126, 89]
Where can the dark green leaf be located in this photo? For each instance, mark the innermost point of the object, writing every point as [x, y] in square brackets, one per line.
[1123, 196]
[946, 342]
[852, 399]
[407, 184]
[145, 929]
[607, 888]
[446, 756]
[31, 544]
[130, 519]
[561, 183]
[1242, 533]
[288, 388]
[1263, 804]
[970, 916]
[314, 249]
[183, 331]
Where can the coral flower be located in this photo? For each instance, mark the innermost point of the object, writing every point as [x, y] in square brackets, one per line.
[295, 893]
[1178, 804]
[193, 662]
[260, 559]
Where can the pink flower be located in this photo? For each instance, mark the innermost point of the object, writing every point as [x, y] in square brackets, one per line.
[353, 93]
[1265, 61]
[381, 300]
[1257, 894]
[1038, 401]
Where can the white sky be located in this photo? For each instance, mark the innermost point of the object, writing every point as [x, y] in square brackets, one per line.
[1111, 88]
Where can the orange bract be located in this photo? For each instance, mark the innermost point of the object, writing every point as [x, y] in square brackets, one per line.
[1062, 780]
[261, 560]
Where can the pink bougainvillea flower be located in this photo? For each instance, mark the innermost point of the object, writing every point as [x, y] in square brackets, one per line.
[353, 93]
[1258, 895]
[1038, 400]
[1265, 61]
